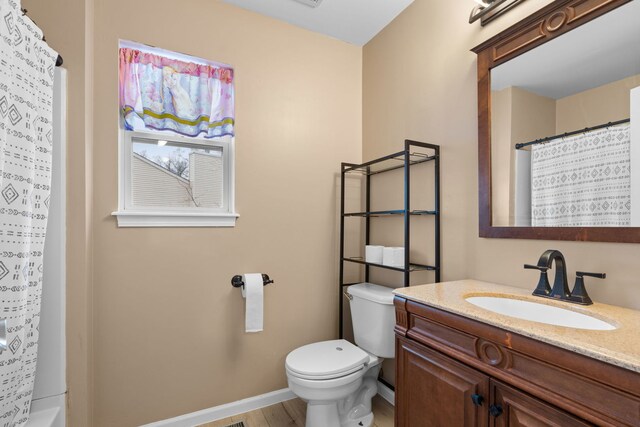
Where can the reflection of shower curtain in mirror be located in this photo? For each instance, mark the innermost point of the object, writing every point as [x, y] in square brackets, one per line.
[582, 180]
[26, 97]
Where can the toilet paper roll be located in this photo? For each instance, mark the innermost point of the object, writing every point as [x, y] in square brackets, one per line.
[373, 254]
[393, 256]
[253, 293]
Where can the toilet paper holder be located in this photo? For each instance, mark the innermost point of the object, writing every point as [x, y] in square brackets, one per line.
[236, 281]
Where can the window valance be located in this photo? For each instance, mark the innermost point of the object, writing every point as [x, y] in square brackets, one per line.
[163, 93]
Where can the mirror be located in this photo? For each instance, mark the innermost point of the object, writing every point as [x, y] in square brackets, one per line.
[560, 123]
[552, 162]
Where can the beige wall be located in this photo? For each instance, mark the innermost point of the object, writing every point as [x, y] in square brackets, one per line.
[165, 325]
[67, 25]
[501, 121]
[419, 82]
[168, 325]
[517, 116]
[533, 116]
[603, 104]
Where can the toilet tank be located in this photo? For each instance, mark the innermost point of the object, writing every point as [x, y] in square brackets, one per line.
[373, 317]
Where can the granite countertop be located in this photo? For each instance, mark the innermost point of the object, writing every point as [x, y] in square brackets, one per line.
[619, 347]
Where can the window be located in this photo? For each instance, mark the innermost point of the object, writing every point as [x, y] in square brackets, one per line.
[170, 180]
[176, 141]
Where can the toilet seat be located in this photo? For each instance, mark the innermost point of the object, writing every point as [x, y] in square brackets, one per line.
[326, 360]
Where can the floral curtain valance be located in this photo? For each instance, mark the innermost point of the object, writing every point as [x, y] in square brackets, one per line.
[162, 93]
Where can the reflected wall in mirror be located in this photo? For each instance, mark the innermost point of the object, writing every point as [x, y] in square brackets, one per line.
[559, 124]
[561, 143]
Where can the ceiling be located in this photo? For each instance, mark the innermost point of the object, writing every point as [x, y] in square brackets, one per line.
[602, 51]
[353, 21]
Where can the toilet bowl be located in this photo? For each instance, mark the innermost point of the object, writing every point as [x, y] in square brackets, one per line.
[338, 379]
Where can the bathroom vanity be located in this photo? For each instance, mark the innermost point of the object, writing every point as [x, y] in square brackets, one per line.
[459, 364]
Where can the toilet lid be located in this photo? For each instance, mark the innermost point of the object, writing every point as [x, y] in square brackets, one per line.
[326, 359]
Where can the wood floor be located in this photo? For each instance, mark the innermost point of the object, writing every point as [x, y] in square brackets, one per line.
[293, 413]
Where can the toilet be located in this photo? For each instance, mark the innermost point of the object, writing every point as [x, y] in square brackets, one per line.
[338, 379]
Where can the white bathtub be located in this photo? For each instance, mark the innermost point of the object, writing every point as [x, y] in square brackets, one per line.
[47, 412]
[48, 404]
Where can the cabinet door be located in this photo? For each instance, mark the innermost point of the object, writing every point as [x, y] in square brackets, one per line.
[514, 408]
[433, 390]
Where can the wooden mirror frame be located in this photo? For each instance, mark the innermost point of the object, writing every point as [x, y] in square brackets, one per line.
[542, 26]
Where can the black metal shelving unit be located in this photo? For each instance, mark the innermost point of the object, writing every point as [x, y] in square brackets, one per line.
[414, 153]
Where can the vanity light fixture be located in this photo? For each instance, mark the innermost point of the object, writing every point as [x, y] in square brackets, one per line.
[488, 10]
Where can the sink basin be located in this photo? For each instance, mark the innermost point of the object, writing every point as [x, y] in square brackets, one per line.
[541, 313]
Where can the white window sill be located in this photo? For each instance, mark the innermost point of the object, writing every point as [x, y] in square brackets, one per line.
[174, 219]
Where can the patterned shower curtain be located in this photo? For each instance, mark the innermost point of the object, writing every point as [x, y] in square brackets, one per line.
[583, 180]
[26, 98]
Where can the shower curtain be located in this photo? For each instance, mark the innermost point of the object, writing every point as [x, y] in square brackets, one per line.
[26, 98]
[583, 180]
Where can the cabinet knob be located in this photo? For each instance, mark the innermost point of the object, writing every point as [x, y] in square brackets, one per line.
[477, 399]
[495, 410]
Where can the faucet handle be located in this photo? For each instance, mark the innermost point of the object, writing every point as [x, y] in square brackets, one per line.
[579, 293]
[596, 275]
[544, 287]
[542, 268]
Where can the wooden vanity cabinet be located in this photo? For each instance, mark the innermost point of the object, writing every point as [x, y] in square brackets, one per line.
[453, 371]
[519, 409]
[436, 390]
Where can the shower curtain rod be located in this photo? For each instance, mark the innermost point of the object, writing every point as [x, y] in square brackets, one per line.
[589, 129]
[59, 60]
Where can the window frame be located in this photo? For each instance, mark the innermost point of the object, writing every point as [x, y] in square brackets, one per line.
[130, 216]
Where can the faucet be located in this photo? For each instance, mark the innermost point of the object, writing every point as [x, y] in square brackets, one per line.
[560, 288]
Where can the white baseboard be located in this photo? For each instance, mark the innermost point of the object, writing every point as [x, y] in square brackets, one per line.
[386, 393]
[245, 405]
[227, 410]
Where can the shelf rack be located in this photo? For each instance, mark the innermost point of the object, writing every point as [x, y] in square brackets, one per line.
[411, 155]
